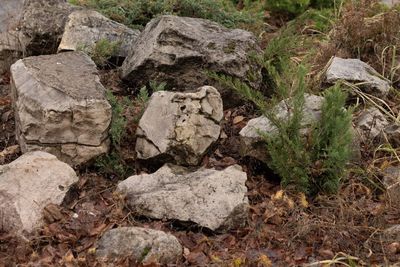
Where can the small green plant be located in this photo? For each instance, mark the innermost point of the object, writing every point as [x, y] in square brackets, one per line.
[292, 7]
[310, 163]
[102, 51]
[113, 163]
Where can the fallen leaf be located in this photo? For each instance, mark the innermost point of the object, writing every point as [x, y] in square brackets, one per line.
[238, 119]
[265, 261]
[303, 200]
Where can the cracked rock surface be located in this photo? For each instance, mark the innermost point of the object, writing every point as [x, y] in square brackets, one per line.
[177, 50]
[180, 127]
[85, 28]
[210, 198]
[147, 245]
[355, 70]
[60, 106]
[29, 184]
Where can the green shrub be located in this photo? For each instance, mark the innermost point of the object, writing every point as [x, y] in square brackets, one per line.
[137, 13]
[292, 7]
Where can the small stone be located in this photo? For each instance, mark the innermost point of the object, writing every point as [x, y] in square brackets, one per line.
[146, 246]
[354, 70]
[391, 181]
[27, 186]
[371, 123]
[210, 198]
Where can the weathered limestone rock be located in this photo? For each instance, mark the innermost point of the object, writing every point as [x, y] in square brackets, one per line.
[391, 180]
[139, 243]
[392, 132]
[85, 28]
[177, 50]
[371, 123]
[213, 199]
[10, 45]
[27, 185]
[43, 23]
[60, 106]
[180, 126]
[354, 70]
[252, 144]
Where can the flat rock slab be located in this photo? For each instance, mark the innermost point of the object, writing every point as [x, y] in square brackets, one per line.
[85, 28]
[146, 246]
[210, 198]
[180, 127]
[60, 106]
[29, 184]
[178, 50]
[354, 70]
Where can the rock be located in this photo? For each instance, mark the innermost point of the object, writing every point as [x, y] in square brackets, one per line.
[391, 181]
[392, 132]
[60, 106]
[252, 144]
[43, 23]
[85, 28]
[354, 70]
[180, 126]
[210, 198]
[178, 50]
[392, 233]
[371, 123]
[29, 184]
[10, 45]
[144, 245]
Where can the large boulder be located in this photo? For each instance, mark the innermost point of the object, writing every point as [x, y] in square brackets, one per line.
[180, 127]
[210, 198]
[43, 23]
[10, 43]
[60, 106]
[85, 28]
[146, 246]
[178, 50]
[29, 184]
[356, 71]
[252, 143]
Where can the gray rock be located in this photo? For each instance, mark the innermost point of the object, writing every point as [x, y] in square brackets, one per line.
[144, 245]
[29, 184]
[43, 23]
[392, 233]
[354, 70]
[178, 50]
[85, 28]
[371, 123]
[252, 144]
[60, 106]
[391, 181]
[213, 199]
[10, 43]
[392, 132]
[180, 127]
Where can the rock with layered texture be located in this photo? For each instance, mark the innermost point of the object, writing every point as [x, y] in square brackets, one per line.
[29, 184]
[210, 198]
[180, 127]
[60, 106]
[178, 50]
[145, 245]
[354, 70]
[43, 23]
[252, 144]
[85, 28]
